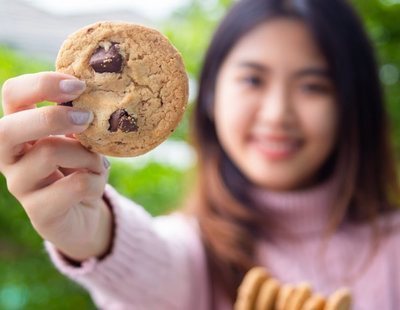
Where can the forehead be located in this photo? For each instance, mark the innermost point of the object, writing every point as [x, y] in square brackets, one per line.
[280, 40]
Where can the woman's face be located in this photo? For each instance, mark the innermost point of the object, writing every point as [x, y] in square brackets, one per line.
[275, 109]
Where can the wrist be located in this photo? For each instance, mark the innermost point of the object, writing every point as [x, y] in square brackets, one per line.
[102, 243]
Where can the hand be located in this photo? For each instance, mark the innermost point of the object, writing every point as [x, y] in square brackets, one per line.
[58, 182]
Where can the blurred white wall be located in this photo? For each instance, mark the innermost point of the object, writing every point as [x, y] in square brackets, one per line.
[40, 32]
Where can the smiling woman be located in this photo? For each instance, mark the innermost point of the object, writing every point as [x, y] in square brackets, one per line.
[279, 101]
[290, 112]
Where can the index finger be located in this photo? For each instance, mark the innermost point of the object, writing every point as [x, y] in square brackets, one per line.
[24, 91]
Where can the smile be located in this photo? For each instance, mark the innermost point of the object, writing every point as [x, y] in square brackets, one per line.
[276, 148]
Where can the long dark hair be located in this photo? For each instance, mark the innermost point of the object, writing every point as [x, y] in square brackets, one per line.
[362, 161]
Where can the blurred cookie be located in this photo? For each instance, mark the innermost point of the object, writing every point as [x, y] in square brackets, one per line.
[339, 300]
[286, 294]
[249, 288]
[315, 302]
[267, 295]
[301, 293]
[137, 87]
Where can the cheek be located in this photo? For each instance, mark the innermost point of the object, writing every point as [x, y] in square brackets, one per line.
[230, 119]
[231, 114]
[320, 124]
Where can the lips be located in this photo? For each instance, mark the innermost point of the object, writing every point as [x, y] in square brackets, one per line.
[276, 147]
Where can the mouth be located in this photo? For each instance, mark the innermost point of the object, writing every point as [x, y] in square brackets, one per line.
[276, 147]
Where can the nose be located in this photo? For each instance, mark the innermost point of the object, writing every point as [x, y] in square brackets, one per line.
[275, 109]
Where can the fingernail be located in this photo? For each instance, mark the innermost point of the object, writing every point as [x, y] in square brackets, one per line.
[106, 163]
[73, 86]
[80, 117]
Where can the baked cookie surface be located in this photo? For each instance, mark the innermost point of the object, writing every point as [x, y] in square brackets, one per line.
[136, 86]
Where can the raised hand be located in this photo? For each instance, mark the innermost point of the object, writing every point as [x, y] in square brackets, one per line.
[58, 182]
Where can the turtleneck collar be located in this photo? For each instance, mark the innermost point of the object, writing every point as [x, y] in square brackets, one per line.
[298, 212]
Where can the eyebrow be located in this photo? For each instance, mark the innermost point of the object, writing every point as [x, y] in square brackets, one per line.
[311, 71]
[314, 71]
[253, 65]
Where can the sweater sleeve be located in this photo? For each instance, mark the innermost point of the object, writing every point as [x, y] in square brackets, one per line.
[155, 263]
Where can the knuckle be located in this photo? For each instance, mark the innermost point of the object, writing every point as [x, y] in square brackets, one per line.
[42, 82]
[47, 150]
[49, 118]
[12, 185]
[4, 136]
[7, 90]
[15, 183]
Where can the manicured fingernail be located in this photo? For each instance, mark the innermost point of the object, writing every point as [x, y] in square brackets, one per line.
[106, 163]
[72, 87]
[80, 117]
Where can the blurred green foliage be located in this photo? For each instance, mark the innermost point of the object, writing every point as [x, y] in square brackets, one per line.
[381, 20]
[28, 280]
[159, 188]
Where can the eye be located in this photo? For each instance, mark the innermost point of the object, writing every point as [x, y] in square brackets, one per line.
[252, 80]
[315, 88]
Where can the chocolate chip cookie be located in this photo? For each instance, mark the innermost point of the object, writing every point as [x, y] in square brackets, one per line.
[136, 86]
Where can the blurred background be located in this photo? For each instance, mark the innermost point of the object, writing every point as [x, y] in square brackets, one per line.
[31, 32]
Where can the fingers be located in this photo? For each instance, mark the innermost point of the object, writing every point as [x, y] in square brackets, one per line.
[23, 92]
[55, 201]
[38, 168]
[31, 125]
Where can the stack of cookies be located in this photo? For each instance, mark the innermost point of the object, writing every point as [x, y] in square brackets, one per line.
[260, 291]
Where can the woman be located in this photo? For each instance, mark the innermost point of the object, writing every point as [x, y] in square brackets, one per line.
[295, 172]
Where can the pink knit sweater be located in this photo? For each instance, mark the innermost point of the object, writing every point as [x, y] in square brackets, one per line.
[159, 263]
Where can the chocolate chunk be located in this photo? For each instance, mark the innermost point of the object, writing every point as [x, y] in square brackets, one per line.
[114, 120]
[65, 104]
[122, 120]
[107, 59]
